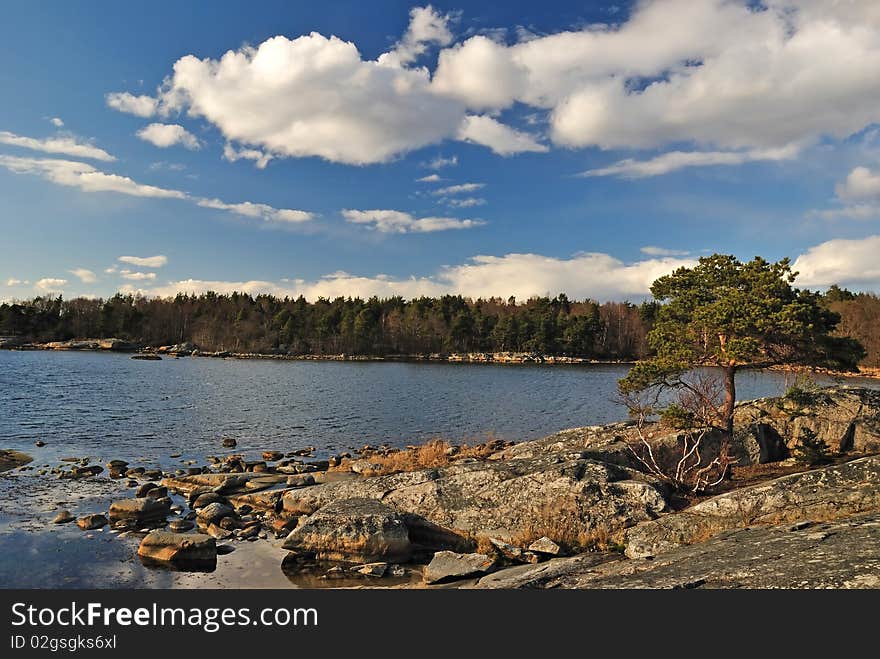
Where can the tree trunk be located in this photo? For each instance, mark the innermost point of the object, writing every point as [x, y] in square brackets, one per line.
[729, 399]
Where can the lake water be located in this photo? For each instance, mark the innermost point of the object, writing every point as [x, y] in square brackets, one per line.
[108, 406]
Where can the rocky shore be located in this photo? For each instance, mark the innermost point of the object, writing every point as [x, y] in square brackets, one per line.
[573, 510]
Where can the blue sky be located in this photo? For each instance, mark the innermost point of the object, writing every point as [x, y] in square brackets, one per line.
[585, 147]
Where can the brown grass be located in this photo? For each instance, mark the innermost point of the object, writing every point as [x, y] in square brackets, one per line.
[432, 454]
[563, 523]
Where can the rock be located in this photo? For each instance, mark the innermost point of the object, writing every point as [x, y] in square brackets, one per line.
[206, 499]
[354, 531]
[214, 512]
[140, 510]
[157, 492]
[146, 487]
[507, 550]
[83, 472]
[372, 569]
[503, 498]
[152, 474]
[180, 525]
[229, 442]
[272, 455]
[179, 549]
[225, 549]
[39, 443]
[448, 566]
[12, 459]
[147, 356]
[90, 522]
[545, 545]
[300, 480]
[63, 517]
[219, 533]
[829, 493]
[117, 465]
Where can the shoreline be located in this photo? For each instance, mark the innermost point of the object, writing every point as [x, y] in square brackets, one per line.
[512, 358]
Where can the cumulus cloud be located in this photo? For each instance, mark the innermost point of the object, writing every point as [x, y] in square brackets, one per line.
[841, 261]
[391, 221]
[57, 122]
[676, 160]
[430, 178]
[427, 26]
[859, 196]
[141, 106]
[458, 189]
[157, 261]
[50, 285]
[137, 276]
[597, 276]
[84, 176]
[503, 140]
[166, 135]
[84, 275]
[260, 158]
[258, 211]
[65, 144]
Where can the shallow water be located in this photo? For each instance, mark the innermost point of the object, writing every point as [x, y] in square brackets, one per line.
[108, 406]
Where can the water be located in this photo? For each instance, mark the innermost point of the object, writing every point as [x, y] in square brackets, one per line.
[107, 406]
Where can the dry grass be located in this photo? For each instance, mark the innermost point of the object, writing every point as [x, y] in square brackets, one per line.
[432, 454]
[564, 523]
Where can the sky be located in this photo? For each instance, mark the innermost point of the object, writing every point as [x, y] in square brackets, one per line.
[390, 148]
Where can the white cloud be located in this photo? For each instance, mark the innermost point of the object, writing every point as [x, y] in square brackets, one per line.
[88, 179]
[57, 122]
[860, 212]
[390, 221]
[84, 176]
[16, 282]
[65, 144]
[430, 178]
[426, 26]
[440, 162]
[861, 184]
[597, 276]
[145, 261]
[232, 154]
[84, 275]
[50, 285]
[840, 261]
[676, 160]
[141, 106]
[137, 276]
[503, 140]
[652, 250]
[467, 202]
[166, 135]
[457, 189]
[258, 211]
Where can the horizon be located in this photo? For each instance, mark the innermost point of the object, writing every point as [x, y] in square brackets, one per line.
[509, 151]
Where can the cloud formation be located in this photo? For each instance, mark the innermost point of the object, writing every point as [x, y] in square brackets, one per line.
[140, 106]
[64, 144]
[84, 275]
[166, 135]
[258, 211]
[392, 221]
[841, 261]
[157, 261]
[50, 285]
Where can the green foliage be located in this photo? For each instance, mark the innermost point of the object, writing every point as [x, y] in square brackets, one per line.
[803, 392]
[677, 417]
[244, 323]
[811, 450]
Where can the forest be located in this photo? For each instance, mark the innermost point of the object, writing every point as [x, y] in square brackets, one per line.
[394, 326]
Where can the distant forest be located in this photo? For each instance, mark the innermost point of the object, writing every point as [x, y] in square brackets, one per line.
[394, 326]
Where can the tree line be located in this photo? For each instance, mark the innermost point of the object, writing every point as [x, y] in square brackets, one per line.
[240, 322]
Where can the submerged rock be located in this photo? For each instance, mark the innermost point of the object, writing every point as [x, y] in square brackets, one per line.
[448, 565]
[63, 517]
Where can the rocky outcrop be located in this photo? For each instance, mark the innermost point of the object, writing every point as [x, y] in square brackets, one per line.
[503, 498]
[141, 510]
[842, 554]
[829, 493]
[845, 418]
[12, 459]
[354, 531]
[181, 550]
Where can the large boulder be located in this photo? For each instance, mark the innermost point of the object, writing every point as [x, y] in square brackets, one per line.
[182, 550]
[504, 498]
[352, 530]
[822, 494]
